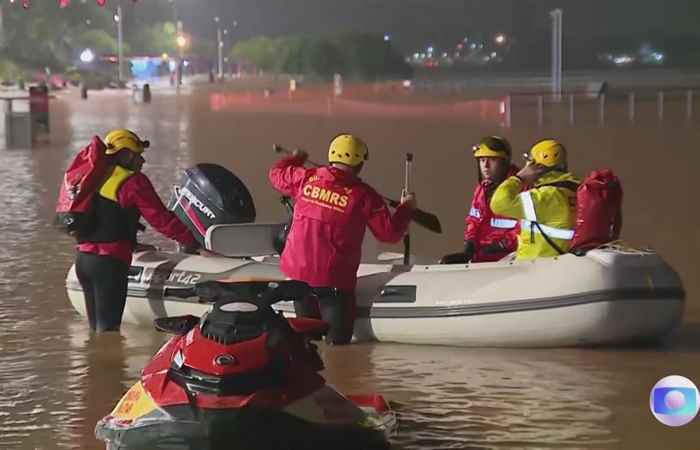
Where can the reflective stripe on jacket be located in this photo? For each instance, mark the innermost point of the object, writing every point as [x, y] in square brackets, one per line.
[552, 207]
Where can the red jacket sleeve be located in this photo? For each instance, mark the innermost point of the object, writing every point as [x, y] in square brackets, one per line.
[385, 226]
[475, 216]
[287, 176]
[138, 191]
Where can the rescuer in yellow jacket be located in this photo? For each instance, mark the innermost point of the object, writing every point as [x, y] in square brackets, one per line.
[547, 210]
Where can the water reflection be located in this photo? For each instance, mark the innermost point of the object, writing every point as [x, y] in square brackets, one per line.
[56, 380]
[102, 368]
[459, 398]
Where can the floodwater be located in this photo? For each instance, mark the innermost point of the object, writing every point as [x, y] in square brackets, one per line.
[57, 380]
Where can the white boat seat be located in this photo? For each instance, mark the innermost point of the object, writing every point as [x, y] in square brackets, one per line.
[243, 240]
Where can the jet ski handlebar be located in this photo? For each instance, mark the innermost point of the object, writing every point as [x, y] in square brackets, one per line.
[263, 292]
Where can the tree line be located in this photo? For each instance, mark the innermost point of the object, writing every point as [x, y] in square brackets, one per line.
[48, 36]
[354, 55]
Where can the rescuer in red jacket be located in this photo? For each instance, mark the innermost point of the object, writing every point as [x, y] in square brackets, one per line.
[487, 236]
[332, 209]
[104, 254]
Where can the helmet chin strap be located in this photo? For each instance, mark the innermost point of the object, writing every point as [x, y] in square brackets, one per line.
[346, 168]
[130, 161]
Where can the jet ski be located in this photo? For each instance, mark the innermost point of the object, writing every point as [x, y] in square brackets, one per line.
[242, 376]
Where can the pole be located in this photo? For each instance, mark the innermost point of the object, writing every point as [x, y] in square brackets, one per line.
[407, 190]
[560, 51]
[631, 102]
[120, 45]
[180, 57]
[220, 44]
[556, 52]
[508, 111]
[689, 105]
[571, 110]
[2, 29]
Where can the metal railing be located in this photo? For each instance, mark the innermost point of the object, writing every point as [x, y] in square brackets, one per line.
[607, 106]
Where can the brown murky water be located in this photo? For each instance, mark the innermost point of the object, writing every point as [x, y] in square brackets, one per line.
[56, 380]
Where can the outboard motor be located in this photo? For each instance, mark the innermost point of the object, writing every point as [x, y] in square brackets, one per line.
[209, 194]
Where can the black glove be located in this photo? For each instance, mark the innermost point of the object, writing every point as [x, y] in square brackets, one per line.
[454, 258]
[494, 247]
[469, 250]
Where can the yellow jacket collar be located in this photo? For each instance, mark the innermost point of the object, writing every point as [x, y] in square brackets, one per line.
[555, 176]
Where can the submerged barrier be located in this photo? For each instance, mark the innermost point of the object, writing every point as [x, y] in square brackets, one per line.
[484, 110]
[597, 106]
[582, 108]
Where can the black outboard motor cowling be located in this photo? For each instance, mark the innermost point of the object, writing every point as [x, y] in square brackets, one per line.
[209, 194]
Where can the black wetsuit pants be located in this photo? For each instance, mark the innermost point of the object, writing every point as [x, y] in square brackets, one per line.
[337, 308]
[104, 280]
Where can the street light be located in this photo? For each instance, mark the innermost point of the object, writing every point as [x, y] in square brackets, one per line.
[556, 16]
[500, 39]
[219, 49]
[120, 46]
[87, 56]
[181, 41]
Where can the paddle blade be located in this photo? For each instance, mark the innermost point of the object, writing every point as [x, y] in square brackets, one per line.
[427, 220]
[423, 218]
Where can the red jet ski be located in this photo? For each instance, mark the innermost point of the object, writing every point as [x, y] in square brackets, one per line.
[242, 376]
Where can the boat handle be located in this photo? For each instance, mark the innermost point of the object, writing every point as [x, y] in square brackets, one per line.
[389, 291]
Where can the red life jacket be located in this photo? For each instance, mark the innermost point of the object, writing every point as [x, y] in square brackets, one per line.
[483, 227]
[598, 210]
[74, 212]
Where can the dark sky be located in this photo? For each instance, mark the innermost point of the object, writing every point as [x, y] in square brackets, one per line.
[413, 22]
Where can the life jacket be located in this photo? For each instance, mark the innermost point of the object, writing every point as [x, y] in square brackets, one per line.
[111, 221]
[485, 227]
[548, 217]
[89, 168]
[598, 211]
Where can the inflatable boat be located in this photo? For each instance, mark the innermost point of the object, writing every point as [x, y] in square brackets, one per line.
[610, 295]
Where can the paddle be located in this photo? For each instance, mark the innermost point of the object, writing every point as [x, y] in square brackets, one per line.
[423, 218]
[405, 191]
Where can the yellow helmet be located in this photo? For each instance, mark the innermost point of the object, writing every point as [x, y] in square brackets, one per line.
[348, 149]
[121, 139]
[492, 147]
[549, 153]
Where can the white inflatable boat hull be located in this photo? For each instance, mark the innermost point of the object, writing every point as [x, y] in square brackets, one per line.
[609, 296]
